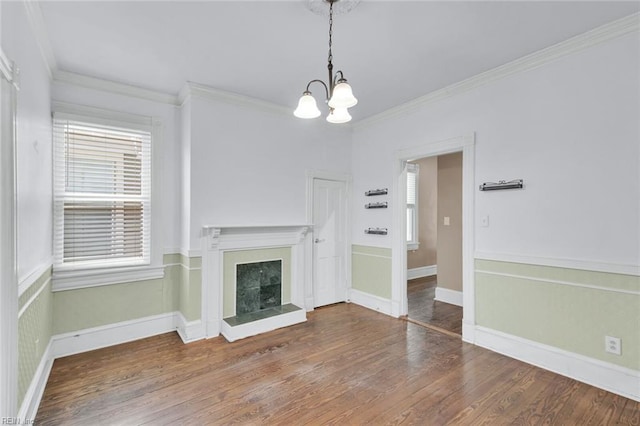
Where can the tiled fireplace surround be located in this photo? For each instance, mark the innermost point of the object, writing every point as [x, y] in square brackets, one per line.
[218, 293]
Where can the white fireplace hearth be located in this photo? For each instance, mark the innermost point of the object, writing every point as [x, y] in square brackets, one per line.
[225, 247]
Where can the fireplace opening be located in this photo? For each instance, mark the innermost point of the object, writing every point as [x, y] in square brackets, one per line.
[258, 286]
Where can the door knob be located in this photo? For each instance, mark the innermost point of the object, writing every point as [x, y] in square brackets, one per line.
[318, 240]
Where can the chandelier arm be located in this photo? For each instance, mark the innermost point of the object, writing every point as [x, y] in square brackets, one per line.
[326, 89]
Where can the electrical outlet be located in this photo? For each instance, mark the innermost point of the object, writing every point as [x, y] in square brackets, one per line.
[612, 345]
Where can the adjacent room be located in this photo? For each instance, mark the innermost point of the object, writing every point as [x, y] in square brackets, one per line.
[319, 212]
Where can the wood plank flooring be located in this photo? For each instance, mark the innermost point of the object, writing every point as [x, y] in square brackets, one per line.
[423, 308]
[346, 365]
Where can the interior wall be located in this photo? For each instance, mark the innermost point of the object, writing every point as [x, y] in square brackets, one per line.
[80, 309]
[547, 125]
[170, 167]
[33, 150]
[255, 174]
[449, 243]
[33, 202]
[426, 254]
[569, 128]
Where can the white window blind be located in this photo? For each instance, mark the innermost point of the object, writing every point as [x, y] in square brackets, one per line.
[102, 193]
[412, 202]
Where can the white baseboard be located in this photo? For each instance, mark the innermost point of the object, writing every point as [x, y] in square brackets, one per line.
[613, 378]
[424, 271]
[33, 396]
[452, 297]
[189, 331]
[370, 301]
[112, 334]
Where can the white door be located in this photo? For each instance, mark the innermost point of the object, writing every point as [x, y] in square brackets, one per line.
[329, 213]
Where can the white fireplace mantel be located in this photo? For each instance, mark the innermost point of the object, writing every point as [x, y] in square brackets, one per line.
[216, 240]
[239, 237]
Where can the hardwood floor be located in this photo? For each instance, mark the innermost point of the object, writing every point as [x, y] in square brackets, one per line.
[423, 308]
[345, 365]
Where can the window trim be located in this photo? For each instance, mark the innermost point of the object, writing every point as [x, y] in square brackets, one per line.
[414, 243]
[64, 278]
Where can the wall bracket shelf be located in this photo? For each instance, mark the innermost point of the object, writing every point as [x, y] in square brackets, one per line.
[501, 184]
[376, 231]
[372, 192]
[382, 205]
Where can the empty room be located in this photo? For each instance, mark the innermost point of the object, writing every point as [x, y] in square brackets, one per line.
[319, 212]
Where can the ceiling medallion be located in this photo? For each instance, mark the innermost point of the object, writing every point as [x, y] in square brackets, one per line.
[340, 7]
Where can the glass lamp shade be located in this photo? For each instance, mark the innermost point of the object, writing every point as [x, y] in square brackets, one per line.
[338, 115]
[342, 96]
[307, 107]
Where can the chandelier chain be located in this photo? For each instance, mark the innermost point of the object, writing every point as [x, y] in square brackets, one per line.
[330, 29]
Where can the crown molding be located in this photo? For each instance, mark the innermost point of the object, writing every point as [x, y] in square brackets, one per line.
[191, 89]
[610, 31]
[95, 83]
[36, 20]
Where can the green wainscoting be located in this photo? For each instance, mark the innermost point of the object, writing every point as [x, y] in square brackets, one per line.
[566, 308]
[190, 285]
[34, 330]
[89, 307]
[371, 270]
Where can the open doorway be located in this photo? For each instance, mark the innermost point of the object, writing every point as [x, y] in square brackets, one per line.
[434, 242]
[466, 145]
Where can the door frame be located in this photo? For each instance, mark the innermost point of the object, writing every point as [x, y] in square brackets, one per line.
[310, 266]
[466, 145]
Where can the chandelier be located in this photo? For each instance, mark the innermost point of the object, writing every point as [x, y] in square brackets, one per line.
[339, 95]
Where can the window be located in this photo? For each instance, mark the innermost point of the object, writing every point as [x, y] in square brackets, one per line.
[412, 206]
[102, 193]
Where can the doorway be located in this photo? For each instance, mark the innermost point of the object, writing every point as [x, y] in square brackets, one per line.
[330, 243]
[434, 242]
[465, 144]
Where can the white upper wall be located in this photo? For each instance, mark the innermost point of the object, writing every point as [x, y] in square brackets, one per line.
[568, 128]
[33, 168]
[248, 165]
[185, 175]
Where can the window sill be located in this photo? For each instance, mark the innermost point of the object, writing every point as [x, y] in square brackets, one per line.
[71, 280]
[413, 246]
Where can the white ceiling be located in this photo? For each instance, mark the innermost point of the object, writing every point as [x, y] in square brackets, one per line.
[390, 51]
